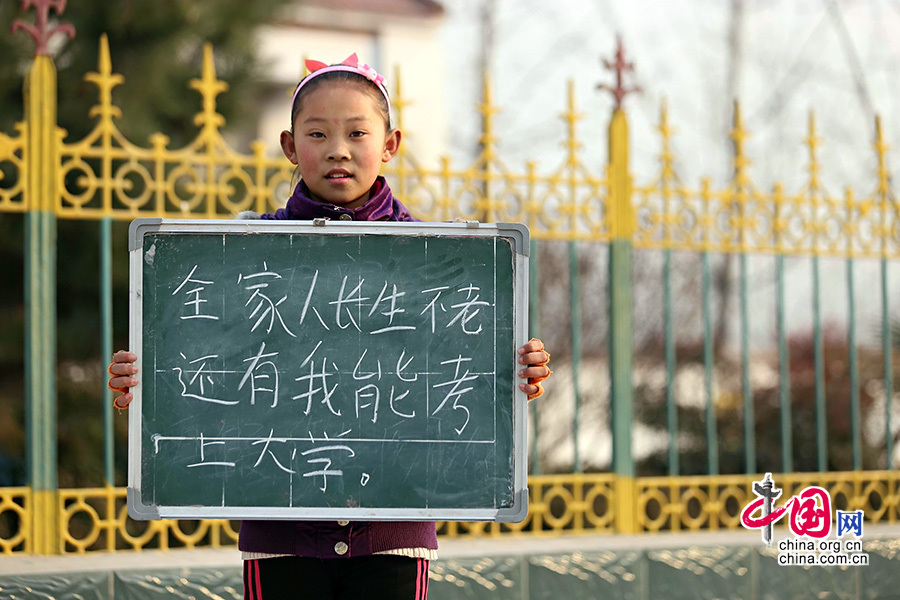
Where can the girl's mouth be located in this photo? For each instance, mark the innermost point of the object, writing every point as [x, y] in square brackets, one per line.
[337, 175]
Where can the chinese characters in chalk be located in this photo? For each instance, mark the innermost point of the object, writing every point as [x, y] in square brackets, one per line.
[352, 354]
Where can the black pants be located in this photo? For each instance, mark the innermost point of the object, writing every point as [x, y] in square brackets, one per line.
[376, 577]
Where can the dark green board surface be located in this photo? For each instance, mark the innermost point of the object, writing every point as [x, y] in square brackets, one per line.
[342, 373]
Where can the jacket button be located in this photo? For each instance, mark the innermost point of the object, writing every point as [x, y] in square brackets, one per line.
[346, 217]
[341, 548]
[343, 523]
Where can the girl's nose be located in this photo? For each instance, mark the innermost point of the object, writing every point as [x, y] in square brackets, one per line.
[338, 151]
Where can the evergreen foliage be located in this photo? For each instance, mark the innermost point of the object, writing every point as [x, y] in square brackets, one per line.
[157, 46]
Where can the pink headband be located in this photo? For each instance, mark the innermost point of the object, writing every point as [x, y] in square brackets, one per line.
[349, 65]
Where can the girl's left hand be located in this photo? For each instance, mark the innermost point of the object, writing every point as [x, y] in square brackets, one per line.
[535, 359]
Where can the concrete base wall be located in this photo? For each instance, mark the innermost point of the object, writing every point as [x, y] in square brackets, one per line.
[722, 566]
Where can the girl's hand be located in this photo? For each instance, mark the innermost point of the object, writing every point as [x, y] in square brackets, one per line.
[535, 359]
[120, 377]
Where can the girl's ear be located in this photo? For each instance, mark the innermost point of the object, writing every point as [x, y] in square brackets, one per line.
[287, 146]
[391, 145]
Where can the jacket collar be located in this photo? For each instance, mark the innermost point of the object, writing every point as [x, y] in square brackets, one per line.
[381, 206]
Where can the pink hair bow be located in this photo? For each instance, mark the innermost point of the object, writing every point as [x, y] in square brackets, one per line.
[351, 61]
[351, 64]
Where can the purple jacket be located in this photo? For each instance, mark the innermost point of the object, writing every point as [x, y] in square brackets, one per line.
[332, 539]
[381, 206]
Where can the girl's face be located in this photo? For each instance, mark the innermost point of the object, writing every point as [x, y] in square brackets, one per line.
[339, 143]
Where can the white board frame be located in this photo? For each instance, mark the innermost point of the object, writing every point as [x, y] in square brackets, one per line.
[519, 236]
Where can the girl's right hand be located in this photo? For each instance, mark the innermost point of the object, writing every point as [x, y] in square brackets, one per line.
[120, 377]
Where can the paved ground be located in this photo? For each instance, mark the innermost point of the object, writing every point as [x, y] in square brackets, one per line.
[450, 548]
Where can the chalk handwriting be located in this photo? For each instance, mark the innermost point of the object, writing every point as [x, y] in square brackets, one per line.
[198, 382]
[265, 443]
[353, 298]
[358, 304]
[457, 391]
[278, 452]
[263, 375]
[392, 310]
[194, 299]
[265, 306]
[326, 470]
[307, 306]
[397, 399]
[362, 376]
[401, 367]
[368, 396]
[313, 380]
[392, 374]
[467, 311]
[433, 304]
[210, 463]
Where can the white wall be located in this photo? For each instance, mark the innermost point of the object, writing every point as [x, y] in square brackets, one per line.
[386, 43]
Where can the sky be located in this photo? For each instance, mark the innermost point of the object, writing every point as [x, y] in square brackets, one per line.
[838, 58]
[780, 58]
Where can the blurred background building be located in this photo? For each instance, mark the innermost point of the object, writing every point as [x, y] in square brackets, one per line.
[383, 33]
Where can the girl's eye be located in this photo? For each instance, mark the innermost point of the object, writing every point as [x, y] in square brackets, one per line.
[316, 134]
[358, 134]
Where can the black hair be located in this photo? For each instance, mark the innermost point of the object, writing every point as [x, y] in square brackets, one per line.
[355, 79]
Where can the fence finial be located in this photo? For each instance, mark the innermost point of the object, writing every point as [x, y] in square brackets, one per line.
[40, 32]
[620, 67]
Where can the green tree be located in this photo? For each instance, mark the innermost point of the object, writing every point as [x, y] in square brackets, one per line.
[157, 46]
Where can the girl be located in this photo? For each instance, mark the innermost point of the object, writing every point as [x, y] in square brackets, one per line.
[340, 135]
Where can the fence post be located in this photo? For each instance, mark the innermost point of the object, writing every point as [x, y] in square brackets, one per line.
[40, 158]
[621, 227]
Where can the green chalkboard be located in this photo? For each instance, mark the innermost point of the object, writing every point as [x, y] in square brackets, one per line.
[310, 370]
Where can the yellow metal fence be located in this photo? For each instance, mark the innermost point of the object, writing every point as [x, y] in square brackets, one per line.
[106, 176]
[96, 519]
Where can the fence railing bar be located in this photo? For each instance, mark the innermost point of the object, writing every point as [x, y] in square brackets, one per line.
[746, 389]
[669, 341]
[712, 440]
[814, 197]
[575, 328]
[853, 359]
[887, 340]
[534, 328]
[887, 205]
[784, 371]
[106, 336]
[819, 358]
